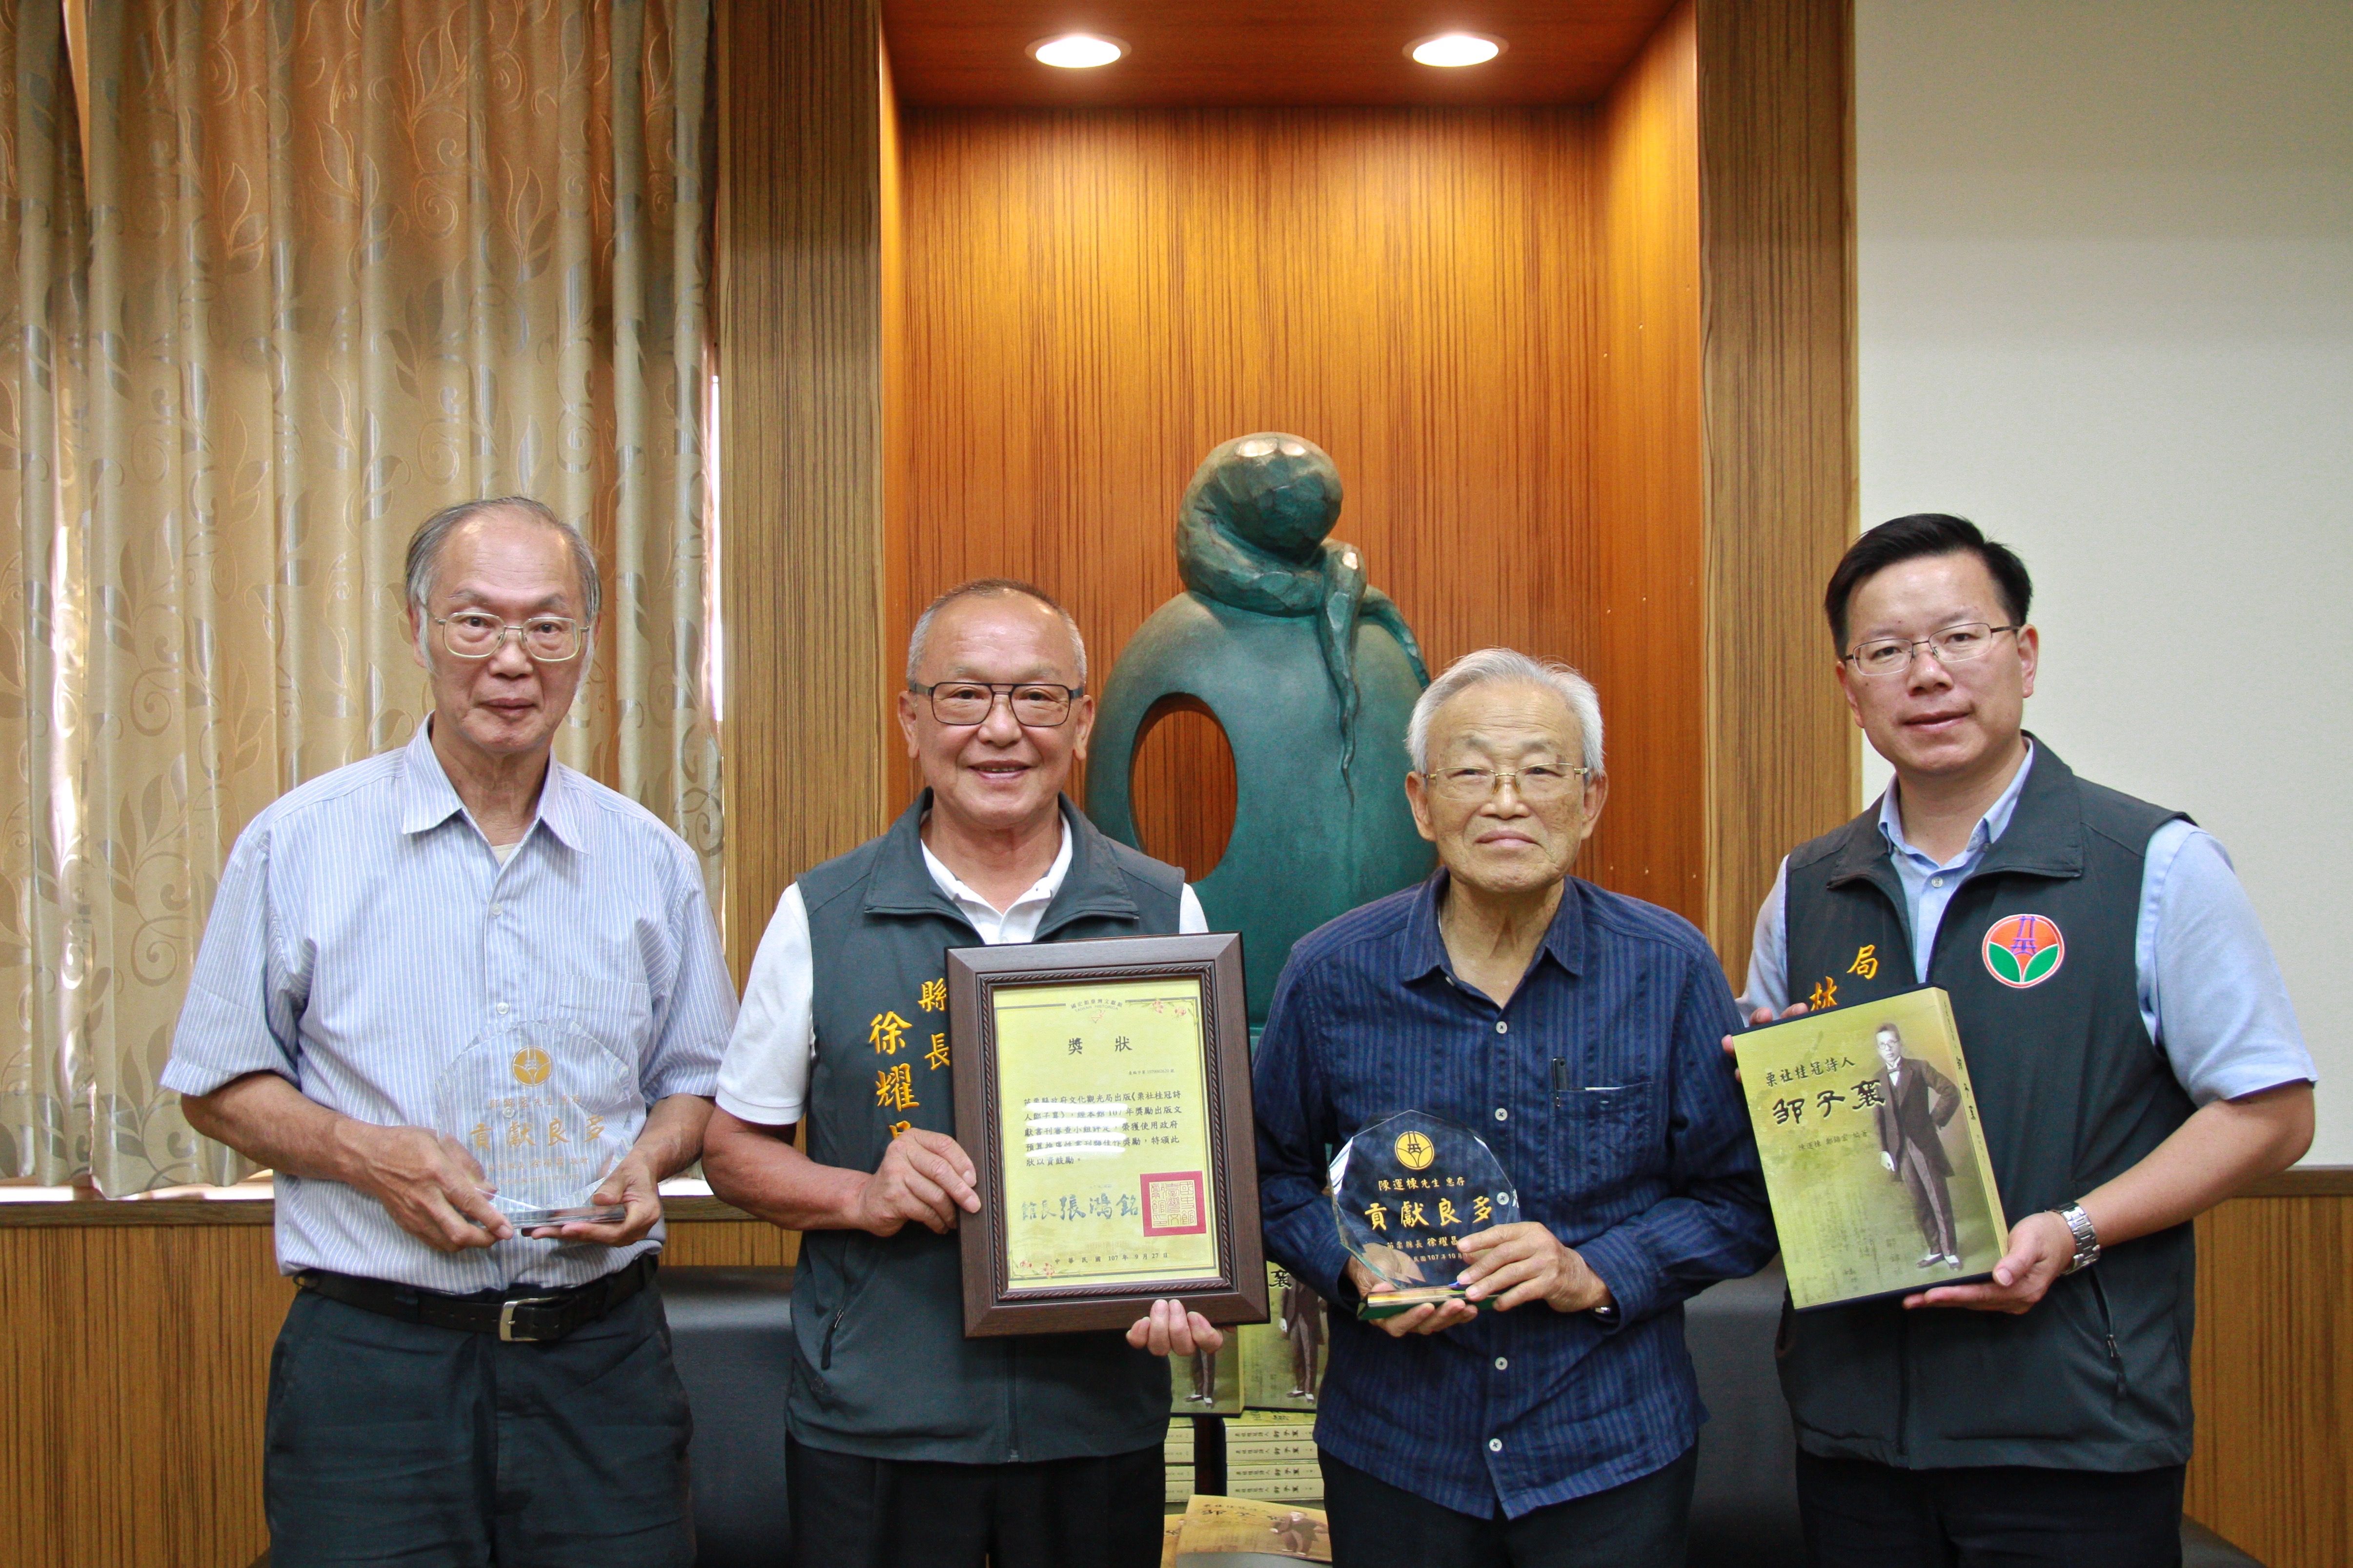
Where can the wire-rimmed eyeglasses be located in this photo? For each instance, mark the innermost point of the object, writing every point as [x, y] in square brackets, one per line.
[1538, 784]
[476, 634]
[1955, 644]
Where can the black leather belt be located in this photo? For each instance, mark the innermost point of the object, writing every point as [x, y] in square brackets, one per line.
[541, 1318]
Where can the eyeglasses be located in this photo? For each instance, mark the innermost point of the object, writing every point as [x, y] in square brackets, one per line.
[1035, 704]
[475, 634]
[1539, 785]
[1954, 645]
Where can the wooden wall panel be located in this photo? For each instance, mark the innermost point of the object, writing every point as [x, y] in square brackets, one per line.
[1095, 300]
[799, 333]
[134, 1363]
[2273, 1469]
[1776, 285]
[1648, 496]
[137, 1368]
[1184, 788]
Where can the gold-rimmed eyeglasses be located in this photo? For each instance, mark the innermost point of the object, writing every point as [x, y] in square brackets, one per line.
[1036, 704]
[476, 634]
[1538, 784]
[1955, 644]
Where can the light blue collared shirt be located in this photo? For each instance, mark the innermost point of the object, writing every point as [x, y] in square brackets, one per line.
[2209, 990]
[365, 935]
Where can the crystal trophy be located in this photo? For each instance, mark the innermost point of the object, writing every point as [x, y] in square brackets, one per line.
[547, 1112]
[1404, 1192]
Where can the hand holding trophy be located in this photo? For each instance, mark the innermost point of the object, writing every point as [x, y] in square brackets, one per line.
[547, 1112]
[1404, 1192]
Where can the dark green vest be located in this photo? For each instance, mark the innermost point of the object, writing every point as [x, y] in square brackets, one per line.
[2072, 1092]
[882, 1366]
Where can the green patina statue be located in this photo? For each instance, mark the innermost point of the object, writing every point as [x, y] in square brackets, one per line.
[1310, 673]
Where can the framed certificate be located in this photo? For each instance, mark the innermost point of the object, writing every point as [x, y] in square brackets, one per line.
[1102, 1091]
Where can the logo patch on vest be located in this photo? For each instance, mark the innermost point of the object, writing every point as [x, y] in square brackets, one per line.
[2021, 950]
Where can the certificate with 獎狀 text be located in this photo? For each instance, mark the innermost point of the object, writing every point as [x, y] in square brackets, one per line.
[1102, 1091]
[1102, 1104]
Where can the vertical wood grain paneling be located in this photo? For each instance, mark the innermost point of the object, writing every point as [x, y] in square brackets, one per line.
[1095, 300]
[2273, 1469]
[730, 1243]
[1648, 504]
[131, 1423]
[130, 1432]
[1777, 287]
[1184, 788]
[799, 324]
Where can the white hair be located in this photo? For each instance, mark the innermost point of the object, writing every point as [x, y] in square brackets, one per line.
[989, 588]
[1498, 666]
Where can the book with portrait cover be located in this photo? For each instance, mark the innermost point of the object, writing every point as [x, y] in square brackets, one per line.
[1283, 1358]
[1875, 1159]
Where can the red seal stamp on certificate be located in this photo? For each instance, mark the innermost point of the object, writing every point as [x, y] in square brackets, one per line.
[2021, 950]
[1172, 1205]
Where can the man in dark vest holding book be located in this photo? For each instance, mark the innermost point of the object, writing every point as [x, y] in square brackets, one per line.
[2135, 1062]
[908, 1445]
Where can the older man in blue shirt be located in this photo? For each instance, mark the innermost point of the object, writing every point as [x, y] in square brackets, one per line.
[446, 1390]
[1577, 1030]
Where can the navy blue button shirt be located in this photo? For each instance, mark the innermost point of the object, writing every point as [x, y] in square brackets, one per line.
[1603, 1089]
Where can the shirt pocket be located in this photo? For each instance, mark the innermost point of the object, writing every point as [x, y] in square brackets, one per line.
[617, 1014]
[1619, 1126]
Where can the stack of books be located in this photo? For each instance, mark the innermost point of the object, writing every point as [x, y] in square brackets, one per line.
[1270, 1456]
[1178, 1457]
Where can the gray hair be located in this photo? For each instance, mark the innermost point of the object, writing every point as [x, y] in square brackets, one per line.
[1494, 666]
[989, 588]
[425, 549]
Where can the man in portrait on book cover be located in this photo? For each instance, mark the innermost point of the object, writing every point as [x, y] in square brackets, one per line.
[1302, 1327]
[1915, 1103]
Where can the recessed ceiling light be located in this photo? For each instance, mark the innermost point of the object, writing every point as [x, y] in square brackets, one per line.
[1455, 49]
[1077, 51]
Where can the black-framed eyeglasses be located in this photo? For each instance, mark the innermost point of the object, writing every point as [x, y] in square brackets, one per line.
[476, 634]
[1955, 644]
[1035, 704]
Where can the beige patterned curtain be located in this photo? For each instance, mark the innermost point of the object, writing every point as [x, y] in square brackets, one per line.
[332, 265]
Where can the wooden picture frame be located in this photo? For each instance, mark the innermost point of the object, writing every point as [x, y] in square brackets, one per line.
[1159, 1152]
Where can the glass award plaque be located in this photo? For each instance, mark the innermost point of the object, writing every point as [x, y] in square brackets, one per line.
[547, 1112]
[1404, 1192]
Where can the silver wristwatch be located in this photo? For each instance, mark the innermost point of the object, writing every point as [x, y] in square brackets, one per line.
[2087, 1240]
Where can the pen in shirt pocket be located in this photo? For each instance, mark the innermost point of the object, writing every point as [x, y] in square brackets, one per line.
[1561, 1085]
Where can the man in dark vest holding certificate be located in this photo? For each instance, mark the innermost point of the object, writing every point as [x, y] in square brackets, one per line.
[2135, 1062]
[908, 1444]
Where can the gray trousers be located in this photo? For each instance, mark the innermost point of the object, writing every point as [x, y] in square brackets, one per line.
[395, 1443]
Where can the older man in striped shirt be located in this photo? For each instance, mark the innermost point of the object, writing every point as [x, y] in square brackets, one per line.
[1575, 1029]
[389, 942]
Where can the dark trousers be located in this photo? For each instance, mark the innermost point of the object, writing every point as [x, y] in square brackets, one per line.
[1932, 1201]
[1859, 1514]
[855, 1512]
[1641, 1524]
[395, 1443]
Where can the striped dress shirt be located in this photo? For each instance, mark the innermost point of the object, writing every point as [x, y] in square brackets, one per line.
[1602, 1088]
[365, 935]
